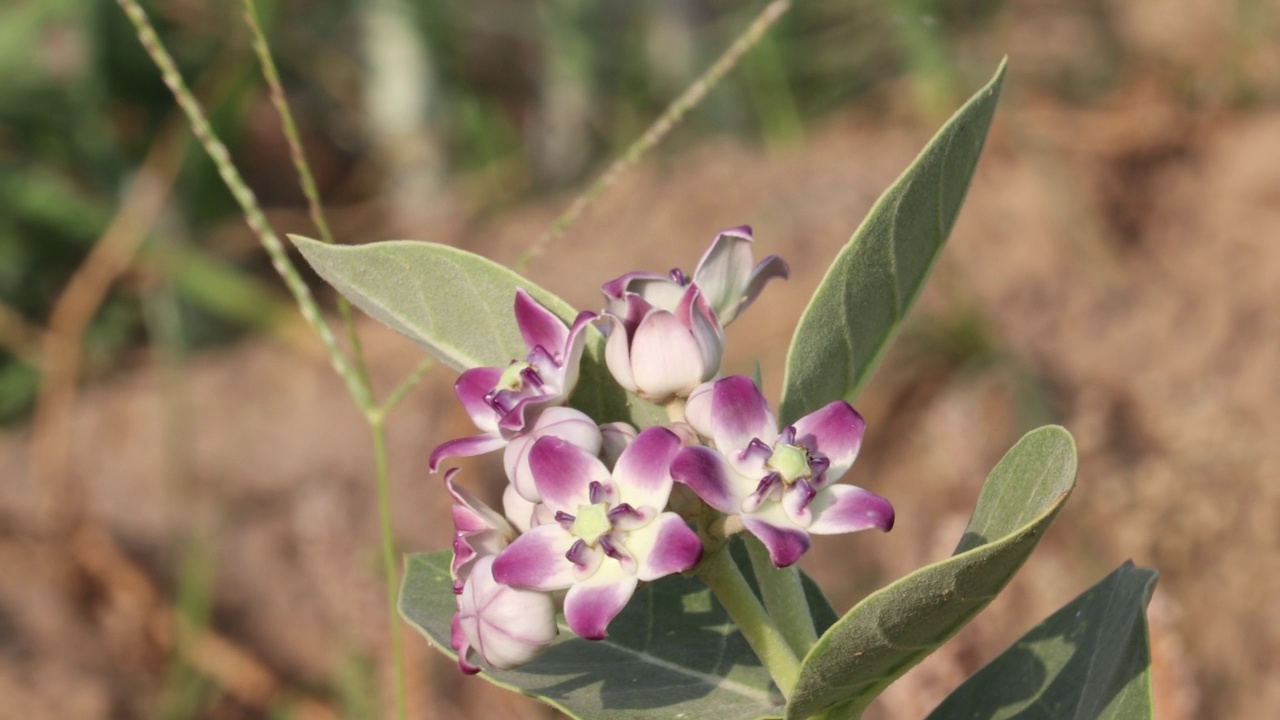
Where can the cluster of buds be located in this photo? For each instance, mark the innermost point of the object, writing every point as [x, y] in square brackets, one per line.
[588, 512]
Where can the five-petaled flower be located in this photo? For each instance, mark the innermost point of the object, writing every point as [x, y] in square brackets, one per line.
[500, 401]
[609, 531]
[781, 484]
[506, 626]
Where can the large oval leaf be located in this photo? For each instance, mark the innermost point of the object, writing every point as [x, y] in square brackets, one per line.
[673, 652]
[873, 282]
[1091, 660]
[893, 629]
[458, 305]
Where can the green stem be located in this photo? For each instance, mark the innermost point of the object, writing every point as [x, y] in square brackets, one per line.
[395, 396]
[783, 598]
[721, 574]
[309, 188]
[389, 568]
[245, 198]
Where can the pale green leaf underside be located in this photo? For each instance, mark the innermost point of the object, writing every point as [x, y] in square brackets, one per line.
[673, 652]
[874, 280]
[1091, 660]
[896, 627]
[458, 305]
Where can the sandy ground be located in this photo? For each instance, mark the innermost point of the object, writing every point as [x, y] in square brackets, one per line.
[1114, 270]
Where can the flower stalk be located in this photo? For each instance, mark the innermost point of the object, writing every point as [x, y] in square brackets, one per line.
[721, 574]
[784, 598]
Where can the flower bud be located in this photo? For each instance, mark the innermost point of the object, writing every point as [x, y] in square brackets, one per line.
[506, 626]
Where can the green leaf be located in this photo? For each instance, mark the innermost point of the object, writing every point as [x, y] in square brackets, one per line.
[873, 282]
[672, 652]
[1091, 660]
[895, 628]
[458, 305]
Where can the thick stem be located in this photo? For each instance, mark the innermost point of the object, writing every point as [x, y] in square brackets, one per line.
[389, 568]
[721, 574]
[783, 598]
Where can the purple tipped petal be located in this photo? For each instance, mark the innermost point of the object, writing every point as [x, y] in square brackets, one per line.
[770, 268]
[706, 473]
[665, 357]
[471, 388]
[643, 471]
[536, 560]
[664, 546]
[835, 432]
[561, 422]
[785, 545]
[464, 447]
[563, 473]
[572, 353]
[539, 326]
[592, 604]
[739, 414]
[614, 289]
[847, 508]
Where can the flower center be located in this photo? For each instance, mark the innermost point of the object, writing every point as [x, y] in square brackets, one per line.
[512, 379]
[790, 462]
[592, 522]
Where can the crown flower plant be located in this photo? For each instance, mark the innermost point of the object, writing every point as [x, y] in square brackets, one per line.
[656, 510]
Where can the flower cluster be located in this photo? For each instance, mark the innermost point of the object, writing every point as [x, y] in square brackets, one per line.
[589, 511]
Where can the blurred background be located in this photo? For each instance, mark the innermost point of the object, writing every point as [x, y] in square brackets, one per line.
[188, 526]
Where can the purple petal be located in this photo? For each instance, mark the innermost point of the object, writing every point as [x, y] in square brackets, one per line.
[562, 422]
[847, 508]
[664, 546]
[571, 355]
[471, 388]
[536, 560]
[563, 473]
[770, 268]
[617, 353]
[592, 604]
[464, 447]
[785, 545]
[643, 472]
[834, 431]
[665, 357]
[739, 414]
[614, 289]
[706, 473]
[538, 325]
[722, 273]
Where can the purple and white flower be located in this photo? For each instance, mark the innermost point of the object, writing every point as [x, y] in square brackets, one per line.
[610, 531]
[781, 484]
[505, 626]
[500, 401]
[658, 352]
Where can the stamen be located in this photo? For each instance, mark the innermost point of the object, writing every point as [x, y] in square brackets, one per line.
[576, 553]
[678, 277]
[596, 492]
[565, 519]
